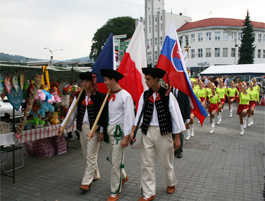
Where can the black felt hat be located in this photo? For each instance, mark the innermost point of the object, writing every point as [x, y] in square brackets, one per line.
[154, 72]
[111, 74]
[86, 76]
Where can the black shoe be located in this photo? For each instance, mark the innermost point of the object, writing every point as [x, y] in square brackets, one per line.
[179, 155]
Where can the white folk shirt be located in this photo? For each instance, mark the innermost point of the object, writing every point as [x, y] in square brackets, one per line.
[74, 114]
[121, 111]
[176, 117]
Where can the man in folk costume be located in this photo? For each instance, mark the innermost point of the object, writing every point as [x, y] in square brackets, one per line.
[161, 119]
[119, 117]
[85, 114]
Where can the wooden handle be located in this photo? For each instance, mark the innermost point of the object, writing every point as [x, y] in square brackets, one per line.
[71, 112]
[98, 116]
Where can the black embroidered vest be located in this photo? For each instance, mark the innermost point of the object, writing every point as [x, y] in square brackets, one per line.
[163, 114]
[92, 108]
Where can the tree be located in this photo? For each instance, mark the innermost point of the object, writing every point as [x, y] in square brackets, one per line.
[119, 25]
[247, 48]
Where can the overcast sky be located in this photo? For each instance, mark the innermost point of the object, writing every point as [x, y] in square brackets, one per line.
[27, 26]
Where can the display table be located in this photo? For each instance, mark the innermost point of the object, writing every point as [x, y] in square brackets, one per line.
[44, 142]
[7, 139]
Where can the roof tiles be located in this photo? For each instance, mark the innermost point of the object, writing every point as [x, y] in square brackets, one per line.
[219, 22]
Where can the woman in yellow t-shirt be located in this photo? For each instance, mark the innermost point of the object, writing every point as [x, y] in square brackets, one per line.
[254, 99]
[243, 107]
[213, 108]
[202, 93]
[256, 87]
[208, 90]
[222, 92]
[232, 92]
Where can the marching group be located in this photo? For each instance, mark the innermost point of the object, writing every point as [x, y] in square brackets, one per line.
[163, 114]
[213, 98]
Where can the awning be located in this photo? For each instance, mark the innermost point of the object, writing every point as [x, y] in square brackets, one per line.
[241, 69]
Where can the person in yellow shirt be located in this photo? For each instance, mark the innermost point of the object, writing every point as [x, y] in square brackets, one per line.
[232, 92]
[222, 92]
[254, 99]
[213, 108]
[208, 92]
[256, 87]
[202, 93]
[190, 125]
[243, 107]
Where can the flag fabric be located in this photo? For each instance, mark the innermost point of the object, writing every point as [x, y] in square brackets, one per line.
[132, 63]
[105, 60]
[172, 61]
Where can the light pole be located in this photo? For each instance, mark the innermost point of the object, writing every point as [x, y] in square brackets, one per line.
[51, 51]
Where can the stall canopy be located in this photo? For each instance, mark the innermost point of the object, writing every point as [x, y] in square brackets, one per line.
[54, 71]
[242, 69]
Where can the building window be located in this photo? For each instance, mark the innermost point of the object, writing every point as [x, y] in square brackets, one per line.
[263, 38]
[161, 40]
[225, 52]
[217, 52]
[155, 19]
[239, 35]
[193, 38]
[208, 36]
[149, 19]
[192, 53]
[259, 38]
[155, 28]
[155, 41]
[200, 37]
[149, 29]
[259, 53]
[233, 36]
[200, 53]
[161, 17]
[217, 36]
[263, 54]
[233, 52]
[161, 27]
[225, 36]
[208, 52]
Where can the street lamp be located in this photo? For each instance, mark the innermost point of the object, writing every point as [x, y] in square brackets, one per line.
[51, 51]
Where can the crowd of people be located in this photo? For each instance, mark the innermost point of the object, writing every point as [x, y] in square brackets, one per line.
[213, 92]
[163, 114]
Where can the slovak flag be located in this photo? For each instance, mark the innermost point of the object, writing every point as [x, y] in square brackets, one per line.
[132, 63]
[172, 61]
[105, 60]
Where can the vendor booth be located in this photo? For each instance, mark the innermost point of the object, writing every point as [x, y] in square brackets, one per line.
[44, 94]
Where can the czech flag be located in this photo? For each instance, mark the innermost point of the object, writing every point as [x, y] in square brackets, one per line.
[172, 61]
[132, 63]
[105, 60]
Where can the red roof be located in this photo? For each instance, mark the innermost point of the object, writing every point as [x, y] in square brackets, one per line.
[219, 22]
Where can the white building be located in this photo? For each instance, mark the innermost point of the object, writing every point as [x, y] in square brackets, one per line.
[215, 41]
[156, 25]
[212, 41]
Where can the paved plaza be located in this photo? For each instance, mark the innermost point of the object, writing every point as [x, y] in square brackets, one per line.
[223, 166]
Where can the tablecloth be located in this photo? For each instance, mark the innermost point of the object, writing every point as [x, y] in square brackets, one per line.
[7, 139]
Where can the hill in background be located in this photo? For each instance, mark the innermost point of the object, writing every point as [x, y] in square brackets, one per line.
[19, 58]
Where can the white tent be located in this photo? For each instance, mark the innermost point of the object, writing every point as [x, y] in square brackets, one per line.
[242, 69]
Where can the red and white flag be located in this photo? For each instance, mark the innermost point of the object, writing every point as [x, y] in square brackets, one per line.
[132, 63]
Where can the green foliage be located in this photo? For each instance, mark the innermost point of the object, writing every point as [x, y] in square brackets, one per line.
[117, 26]
[247, 48]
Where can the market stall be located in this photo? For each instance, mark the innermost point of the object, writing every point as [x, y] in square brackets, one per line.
[44, 94]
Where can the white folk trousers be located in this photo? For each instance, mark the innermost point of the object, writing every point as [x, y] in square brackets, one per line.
[90, 152]
[154, 144]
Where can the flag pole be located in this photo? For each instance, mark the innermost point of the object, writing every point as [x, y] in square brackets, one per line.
[71, 112]
[98, 116]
